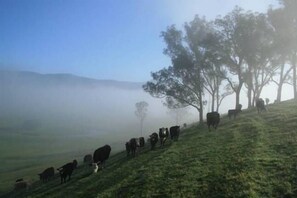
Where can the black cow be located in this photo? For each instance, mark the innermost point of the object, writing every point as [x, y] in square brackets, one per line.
[213, 119]
[233, 112]
[141, 142]
[101, 155]
[66, 170]
[153, 140]
[163, 135]
[47, 174]
[174, 132]
[260, 105]
[133, 146]
[88, 158]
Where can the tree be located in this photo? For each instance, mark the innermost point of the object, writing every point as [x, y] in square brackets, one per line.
[214, 73]
[256, 43]
[182, 84]
[231, 29]
[141, 111]
[281, 45]
[290, 14]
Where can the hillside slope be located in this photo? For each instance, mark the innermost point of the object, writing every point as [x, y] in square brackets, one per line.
[251, 156]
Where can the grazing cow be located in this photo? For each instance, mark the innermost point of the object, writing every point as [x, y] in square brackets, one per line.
[133, 146]
[19, 185]
[260, 105]
[88, 159]
[153, 140]
[174, 132]
[213, 119]
[47, 174]
[163, 135]
[66, 170]
[233, 112]
[128, 148]
[101, 155]
[141, 142]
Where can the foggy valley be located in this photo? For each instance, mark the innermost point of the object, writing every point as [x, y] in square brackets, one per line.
[64, 105]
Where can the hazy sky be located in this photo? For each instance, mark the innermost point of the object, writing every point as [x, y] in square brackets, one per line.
[103, 39]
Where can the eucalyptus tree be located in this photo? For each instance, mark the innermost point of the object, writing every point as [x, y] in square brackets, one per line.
[290, 7]
[211, 68]
[182, 83]
[281, 48]
[141, 112]
[256, 44]
[231, 29]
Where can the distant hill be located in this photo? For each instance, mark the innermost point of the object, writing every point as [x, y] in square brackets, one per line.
[25, 77]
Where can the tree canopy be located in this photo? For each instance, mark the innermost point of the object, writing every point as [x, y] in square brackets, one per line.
[219, 57]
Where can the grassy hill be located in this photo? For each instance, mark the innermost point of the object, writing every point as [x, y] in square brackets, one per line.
[251, 156]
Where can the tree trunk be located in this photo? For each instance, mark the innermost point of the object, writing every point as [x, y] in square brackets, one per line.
[250, 87]
[217, 100]
[294, 75]
[280, 85]
[237, 93]
[212, 101]
[249, 95]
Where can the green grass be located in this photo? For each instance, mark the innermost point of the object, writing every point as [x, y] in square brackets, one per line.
[251, 156]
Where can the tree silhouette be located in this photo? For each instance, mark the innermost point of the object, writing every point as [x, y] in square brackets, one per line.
[141, 111]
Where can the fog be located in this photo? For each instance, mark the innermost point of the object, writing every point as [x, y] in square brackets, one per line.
[66, 105]
[74, 106]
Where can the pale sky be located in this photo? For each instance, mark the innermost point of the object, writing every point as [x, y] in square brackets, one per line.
[102, 39]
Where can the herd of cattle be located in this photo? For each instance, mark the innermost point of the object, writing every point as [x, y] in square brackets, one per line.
[213, 118]
[101, 154]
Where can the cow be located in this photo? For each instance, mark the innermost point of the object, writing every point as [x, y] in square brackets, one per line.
[88, 159]
[128, 148]
[141, 142]
[233, 112]
[66, 170]
[163, 135]
[47, 174]
[153, 140]
[133, 146]
[101, 155]
[174, 132]
[213, 119]
[260, 105]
